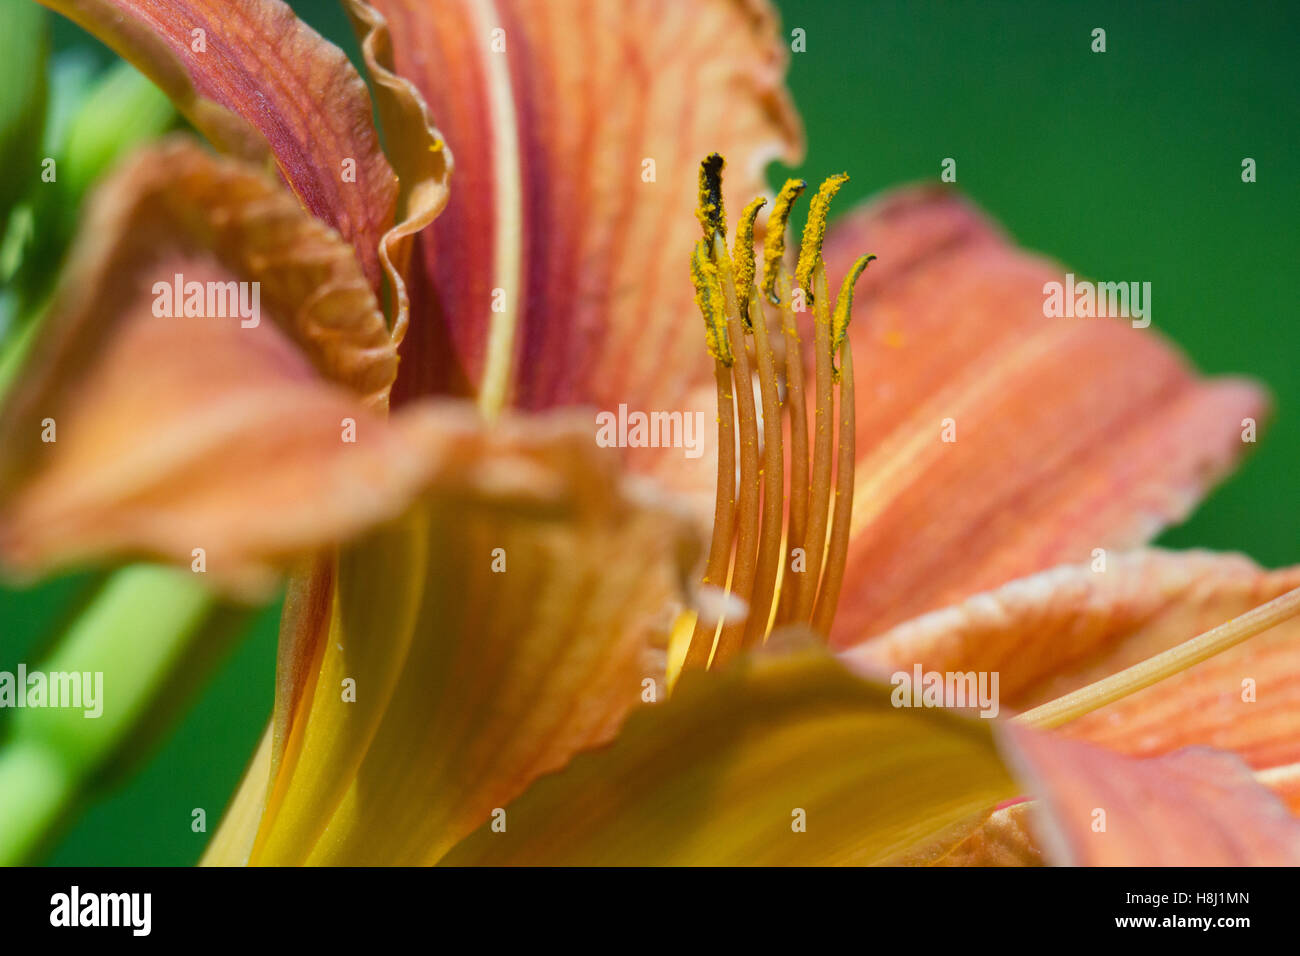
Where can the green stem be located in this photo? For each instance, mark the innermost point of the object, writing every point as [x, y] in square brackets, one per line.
[36, 790]
[153, 633]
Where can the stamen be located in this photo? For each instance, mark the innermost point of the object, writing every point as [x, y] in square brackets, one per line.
[747, 503]
[819, 498]
[712, 215]
[1155, 669]
[709, 297]
[769, 548]
[814, 231]
[794, 399]
[1284, 777]
[774, 240]
[729, 302]
[844, 310]
[743, 258]
[846, 460]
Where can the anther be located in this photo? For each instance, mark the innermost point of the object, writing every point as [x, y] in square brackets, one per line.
[708, 296]
[774, 240]
[814, 231]
[743, 258]
[710, 211]
[844, 309]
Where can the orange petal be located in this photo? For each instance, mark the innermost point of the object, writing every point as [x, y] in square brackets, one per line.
[1071, 434]
[1054, 632]
[553, 111]
[495, 631]
[1196, 807]
[255, 79]
[421, 160]
[177, 433]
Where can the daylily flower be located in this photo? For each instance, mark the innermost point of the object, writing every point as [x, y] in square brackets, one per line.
[480, 595]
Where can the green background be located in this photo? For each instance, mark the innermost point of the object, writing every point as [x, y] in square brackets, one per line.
[1125, 164]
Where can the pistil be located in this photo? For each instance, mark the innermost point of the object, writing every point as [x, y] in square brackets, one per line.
[1155, 669]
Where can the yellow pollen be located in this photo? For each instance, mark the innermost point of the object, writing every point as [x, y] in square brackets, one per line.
[774, 240]
[814, 231]
[844, 311]
[743, 257]
[708, 296]
[710, 211]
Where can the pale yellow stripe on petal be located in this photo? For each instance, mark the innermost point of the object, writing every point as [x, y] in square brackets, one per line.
[507, 205]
